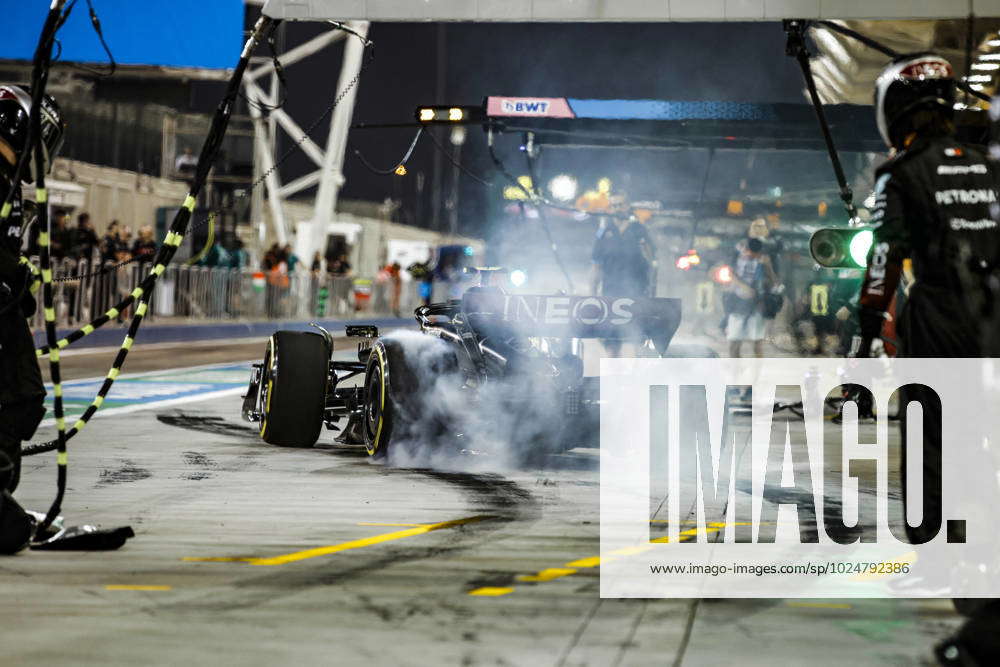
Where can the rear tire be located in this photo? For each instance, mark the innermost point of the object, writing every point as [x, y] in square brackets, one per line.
[293, 388]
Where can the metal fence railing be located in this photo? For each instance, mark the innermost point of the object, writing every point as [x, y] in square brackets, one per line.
[197, 292]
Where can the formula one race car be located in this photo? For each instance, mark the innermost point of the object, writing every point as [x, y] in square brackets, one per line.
[485, 368]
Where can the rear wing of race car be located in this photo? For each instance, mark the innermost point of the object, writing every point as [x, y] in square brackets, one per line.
[606, 317]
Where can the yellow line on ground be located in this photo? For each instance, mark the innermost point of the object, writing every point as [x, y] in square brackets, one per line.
[548, 574]
[345, 546]
[692, 532]
[593, 561]
[129, 587]
[491, 591]
[819, 605]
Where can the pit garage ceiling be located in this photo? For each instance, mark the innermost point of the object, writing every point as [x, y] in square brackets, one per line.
[623, 10]
[845, 69]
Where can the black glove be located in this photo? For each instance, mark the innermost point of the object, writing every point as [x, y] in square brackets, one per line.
[871, 321]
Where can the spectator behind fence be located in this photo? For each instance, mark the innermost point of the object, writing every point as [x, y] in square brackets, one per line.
[61, 242]
[276, 268]
[238, 258]
[217, 256]
[109, 242]
[339, 267]
[291, 259]
[144, 246]
[395, 286]
[84, 238]
[123, 243]
[338, 270]
[271, 258]
[421, 272]
[317, 264]
[186, 163]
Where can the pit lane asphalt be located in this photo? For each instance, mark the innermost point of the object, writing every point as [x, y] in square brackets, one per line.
[196, 483]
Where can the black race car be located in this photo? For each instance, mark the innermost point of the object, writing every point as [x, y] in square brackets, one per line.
[488, 367]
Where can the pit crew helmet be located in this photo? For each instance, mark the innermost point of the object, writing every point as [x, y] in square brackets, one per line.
[15, 106]
[909, 84]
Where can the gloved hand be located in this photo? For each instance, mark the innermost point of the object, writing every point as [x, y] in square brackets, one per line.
[871, 322]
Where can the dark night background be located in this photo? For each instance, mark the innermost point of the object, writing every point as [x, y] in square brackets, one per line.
[672, 61]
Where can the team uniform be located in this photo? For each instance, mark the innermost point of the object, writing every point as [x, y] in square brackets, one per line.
[935, 204]
[21, 389]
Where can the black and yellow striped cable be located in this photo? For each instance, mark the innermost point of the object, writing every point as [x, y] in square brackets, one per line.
[39, 77]
[141, 294]
[163, 257]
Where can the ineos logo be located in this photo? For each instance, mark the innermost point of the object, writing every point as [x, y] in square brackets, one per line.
[588, 311]
[592, 311]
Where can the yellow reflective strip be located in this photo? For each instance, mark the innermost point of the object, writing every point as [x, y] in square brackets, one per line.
[54, 356]
[38, 352]
[127, 343]
[137, 292]
[62, 458]
[57, 390]
[79, 424]
[158, 269]
[47, 275]
[62, 343]
[87, 329]
[50, 315]
[43, 238]
[98, 401]
[173, 238]
[5, 211]
[112, 313]
[41, 195]
[61, 424]
[189, 203]
[141, 310]
[113, 374]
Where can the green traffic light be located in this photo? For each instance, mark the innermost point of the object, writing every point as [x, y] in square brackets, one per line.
[845, 248]
[861, 243]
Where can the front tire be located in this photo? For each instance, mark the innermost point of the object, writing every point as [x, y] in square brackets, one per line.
[293, 388]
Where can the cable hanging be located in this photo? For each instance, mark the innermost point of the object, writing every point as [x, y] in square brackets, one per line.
[400, 166]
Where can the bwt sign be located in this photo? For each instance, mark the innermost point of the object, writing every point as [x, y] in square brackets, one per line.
[737, 478]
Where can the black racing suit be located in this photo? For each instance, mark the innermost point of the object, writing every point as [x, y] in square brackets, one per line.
[933, 205]
[21, 390]
[623, 258]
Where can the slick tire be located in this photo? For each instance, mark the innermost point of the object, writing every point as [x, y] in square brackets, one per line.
[397, 395]
[293, 388]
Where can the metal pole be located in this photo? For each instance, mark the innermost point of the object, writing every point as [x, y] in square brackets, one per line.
[332, 176]
[265, 158]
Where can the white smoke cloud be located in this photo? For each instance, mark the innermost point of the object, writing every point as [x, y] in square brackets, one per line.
[505, 424]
